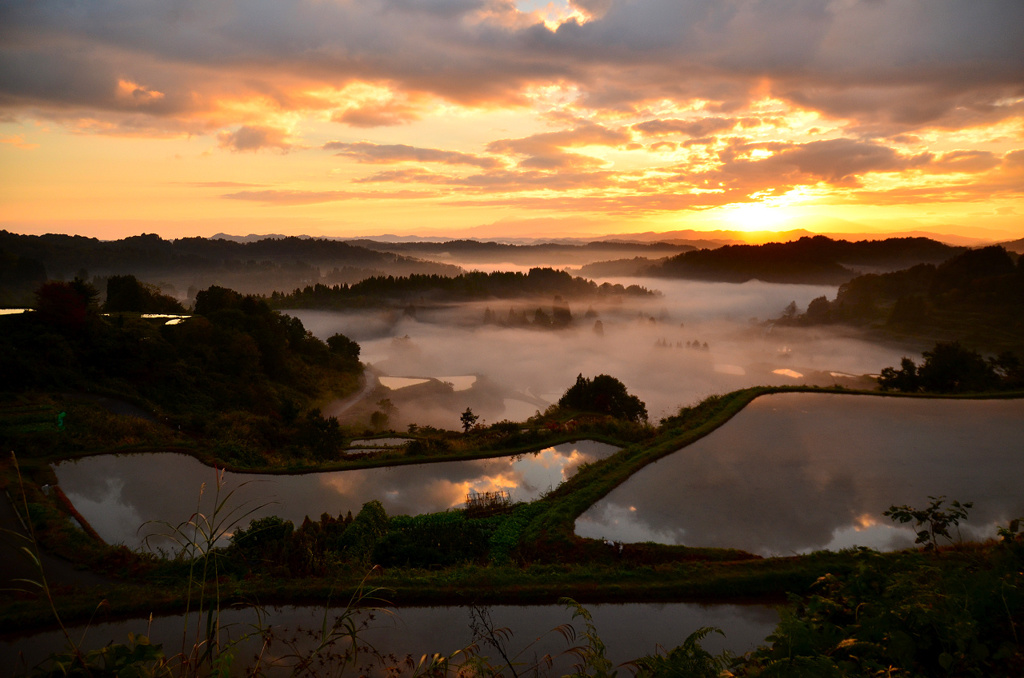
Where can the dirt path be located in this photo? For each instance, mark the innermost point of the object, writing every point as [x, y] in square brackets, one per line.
[338, 407]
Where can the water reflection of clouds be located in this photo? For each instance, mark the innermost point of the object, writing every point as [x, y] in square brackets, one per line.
[799, 472]
[119, 516]
[117, 494]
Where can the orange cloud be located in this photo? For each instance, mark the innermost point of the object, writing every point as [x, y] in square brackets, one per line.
[248, 139]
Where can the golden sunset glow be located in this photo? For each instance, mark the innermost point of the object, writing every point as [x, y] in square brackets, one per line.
[529, 118]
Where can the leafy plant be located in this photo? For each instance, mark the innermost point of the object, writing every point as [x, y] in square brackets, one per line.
[1011, 532]
[936, 520]
[689, 659]
[592, 661]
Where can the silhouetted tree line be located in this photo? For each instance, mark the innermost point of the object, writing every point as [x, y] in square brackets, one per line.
[818, 260]
[504, 252]
[952, 368]
[261, 265]
[20, 276]
[465, 287]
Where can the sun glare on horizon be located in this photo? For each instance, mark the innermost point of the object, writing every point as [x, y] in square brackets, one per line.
[756, 217]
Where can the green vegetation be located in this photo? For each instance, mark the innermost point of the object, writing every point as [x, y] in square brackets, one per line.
[938, 521]
[244, 384]
[241, 378]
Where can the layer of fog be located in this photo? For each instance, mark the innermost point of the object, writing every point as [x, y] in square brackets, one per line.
[643, 342]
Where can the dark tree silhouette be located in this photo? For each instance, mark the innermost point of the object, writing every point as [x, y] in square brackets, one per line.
[951, 368]
[468, 420]
[605, 395]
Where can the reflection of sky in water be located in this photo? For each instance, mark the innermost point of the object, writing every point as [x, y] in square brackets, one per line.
[629, 630]
[117, 494]
[800, 472]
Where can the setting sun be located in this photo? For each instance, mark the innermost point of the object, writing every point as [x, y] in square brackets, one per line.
[753, 217]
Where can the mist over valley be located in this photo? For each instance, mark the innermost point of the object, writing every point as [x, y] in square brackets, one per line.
[655, 345]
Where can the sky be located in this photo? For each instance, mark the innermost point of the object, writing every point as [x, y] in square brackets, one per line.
[487, 118]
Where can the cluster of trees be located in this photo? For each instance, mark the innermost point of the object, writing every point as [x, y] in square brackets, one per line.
[952, 368]
[694, 345]
[125, 293]
[559, 317]
[977, 294]
[538, 282]
[603, 395]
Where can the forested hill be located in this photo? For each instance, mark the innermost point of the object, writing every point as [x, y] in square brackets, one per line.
[235, 371]
[539, 282]
[976, 297]
[252, 267]
[532, 254]
[813, 260]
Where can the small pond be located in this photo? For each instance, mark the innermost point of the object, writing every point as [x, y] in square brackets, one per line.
[118, 494]
[798, 472]
[629, 631]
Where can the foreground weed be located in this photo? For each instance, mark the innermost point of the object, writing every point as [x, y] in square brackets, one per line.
[499, 638]
[935, 520]
[197, 540]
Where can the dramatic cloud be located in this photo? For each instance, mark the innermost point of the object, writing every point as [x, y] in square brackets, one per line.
[838, 161]
[377, 115]
[254, 139]
[898, 61]
[393, 153]
[690, 128]
[546, 151]
[645, 105]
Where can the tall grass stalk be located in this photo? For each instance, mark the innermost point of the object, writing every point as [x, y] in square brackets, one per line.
[197, 539]
[31, 549]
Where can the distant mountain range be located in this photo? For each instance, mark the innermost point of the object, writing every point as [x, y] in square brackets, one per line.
[262, 265]
[180, 267]
[840, 230]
